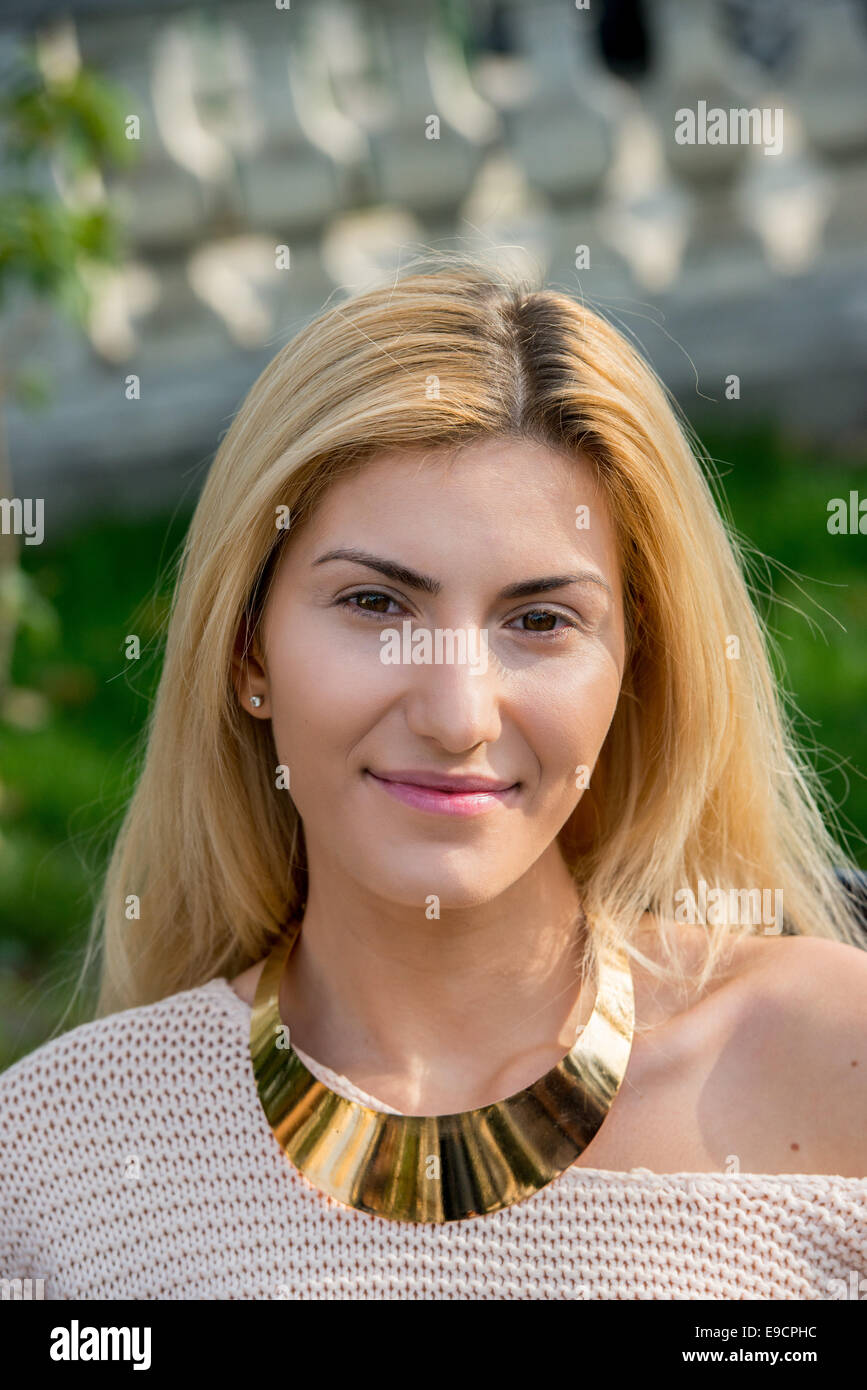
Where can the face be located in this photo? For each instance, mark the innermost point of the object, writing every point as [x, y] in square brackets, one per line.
[447, 776]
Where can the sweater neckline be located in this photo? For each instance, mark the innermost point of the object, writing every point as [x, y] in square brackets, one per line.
[694, 1180]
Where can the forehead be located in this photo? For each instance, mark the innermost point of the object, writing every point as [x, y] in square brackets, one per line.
[494, 505]
[507, 465]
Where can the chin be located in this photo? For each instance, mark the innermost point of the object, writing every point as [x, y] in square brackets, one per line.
[434, 879]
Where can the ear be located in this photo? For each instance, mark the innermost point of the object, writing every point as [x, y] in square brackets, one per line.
[249, 676]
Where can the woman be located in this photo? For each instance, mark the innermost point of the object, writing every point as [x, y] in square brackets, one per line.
[466, 789]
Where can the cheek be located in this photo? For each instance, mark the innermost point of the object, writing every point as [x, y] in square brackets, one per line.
[568, 717]
[322, 695]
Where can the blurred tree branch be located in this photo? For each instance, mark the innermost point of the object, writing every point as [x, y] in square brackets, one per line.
[61, 128]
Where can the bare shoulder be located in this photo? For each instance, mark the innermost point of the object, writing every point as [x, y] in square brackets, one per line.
[804, 1039]
[774, 1053]
[812, 994]
[815, 992]
[674, 1000]
[245, 984]
[796, 970]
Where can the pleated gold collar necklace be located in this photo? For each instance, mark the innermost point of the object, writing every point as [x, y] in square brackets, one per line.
[439, 1168]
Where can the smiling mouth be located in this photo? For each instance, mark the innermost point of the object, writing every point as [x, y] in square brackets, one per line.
[467, 797]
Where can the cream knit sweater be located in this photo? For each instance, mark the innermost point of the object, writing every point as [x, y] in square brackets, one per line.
[136, 1162]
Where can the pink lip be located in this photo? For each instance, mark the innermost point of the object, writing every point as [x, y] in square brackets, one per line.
[455, 796]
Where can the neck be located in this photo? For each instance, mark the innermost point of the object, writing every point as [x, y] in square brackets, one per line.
[444, 1014]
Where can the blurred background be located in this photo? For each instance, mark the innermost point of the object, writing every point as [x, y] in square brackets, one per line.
[184, 187]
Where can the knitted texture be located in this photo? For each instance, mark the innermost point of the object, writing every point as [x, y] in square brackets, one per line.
[136, 1162]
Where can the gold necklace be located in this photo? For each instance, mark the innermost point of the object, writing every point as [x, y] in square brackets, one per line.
[440, 1168]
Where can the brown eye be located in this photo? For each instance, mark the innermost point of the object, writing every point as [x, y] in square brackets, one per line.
[370, 601]
[543, 621]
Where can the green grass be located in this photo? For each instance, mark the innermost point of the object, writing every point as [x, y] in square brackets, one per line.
[64, 782]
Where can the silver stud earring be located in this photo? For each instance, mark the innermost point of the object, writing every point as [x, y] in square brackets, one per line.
[255, 701]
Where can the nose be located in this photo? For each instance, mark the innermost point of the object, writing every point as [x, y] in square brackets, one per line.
[457, 703]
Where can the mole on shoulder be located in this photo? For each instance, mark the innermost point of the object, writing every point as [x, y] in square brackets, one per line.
[795, 1146]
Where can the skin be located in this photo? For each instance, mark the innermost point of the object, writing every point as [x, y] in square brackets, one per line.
[438, 1014]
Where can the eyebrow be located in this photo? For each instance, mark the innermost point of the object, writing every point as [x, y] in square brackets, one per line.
[401, 574]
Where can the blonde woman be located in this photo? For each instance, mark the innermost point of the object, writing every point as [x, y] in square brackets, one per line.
[435, 958]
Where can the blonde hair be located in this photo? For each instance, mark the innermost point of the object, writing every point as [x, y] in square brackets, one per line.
[699, 777]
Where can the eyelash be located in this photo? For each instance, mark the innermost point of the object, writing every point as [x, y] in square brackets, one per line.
[555, 634]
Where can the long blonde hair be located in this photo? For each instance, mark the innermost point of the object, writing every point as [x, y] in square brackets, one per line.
[700, 776]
